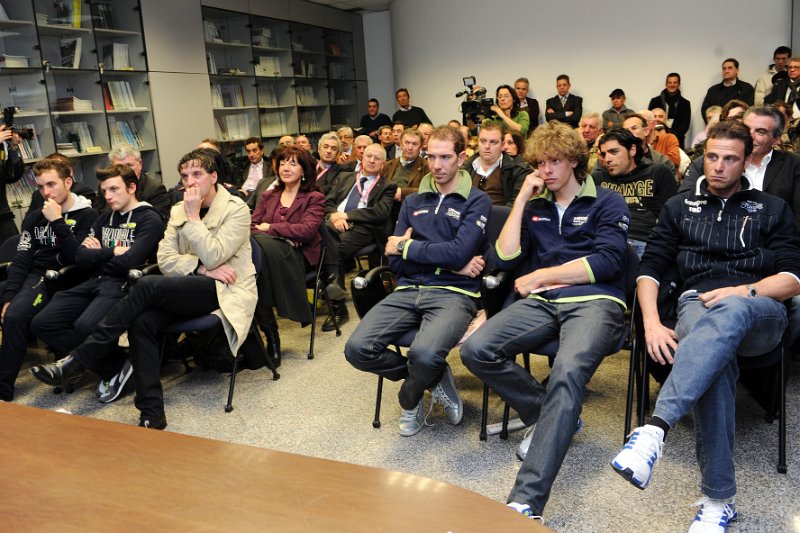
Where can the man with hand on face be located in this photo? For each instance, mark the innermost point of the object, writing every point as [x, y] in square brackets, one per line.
[358, 212]
[433, 254]
[123, 238]
[494, 172]
[206, 260]
[645, 187]
[736, 252]
[568, 238]
[49, 240]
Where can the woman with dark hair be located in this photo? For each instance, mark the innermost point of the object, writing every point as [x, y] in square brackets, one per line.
[513, 143]
[508, 113]
[285, 223]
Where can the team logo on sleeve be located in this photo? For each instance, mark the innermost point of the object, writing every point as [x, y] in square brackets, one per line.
[24, 241]
[537, 218]
[419, 212]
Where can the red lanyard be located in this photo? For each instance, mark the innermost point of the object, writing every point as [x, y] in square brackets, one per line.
[365, 195]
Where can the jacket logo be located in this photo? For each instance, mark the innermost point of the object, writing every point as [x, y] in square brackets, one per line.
[24, 241]
[452, 213]
[579, 221]
[536, 218]
[751, 207]
[695, 203]
[419, 212]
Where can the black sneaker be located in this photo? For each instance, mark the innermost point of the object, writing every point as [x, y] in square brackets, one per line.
[153, 423]
[117, 384]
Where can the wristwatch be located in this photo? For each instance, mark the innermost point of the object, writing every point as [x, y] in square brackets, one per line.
[401, 245]
[751, 291]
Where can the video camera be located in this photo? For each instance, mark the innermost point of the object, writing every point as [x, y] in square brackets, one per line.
[8, 120]
[475, 106]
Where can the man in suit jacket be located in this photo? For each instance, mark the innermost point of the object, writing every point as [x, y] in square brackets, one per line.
[788, 89]
[531, 105]
[327, 168]
[564, 107]
[357, 214]
[729, 89]
[257, 169]
[678, 108]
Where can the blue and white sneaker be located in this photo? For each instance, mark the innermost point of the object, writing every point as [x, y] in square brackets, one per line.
[525, 510]
[638, 457]
[713, 516]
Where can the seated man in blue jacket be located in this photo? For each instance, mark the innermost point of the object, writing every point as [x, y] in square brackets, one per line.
[569, 244]
[737, 257]
[433, 251]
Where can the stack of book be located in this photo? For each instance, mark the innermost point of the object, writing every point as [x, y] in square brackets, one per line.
[273, 124]
[230, 95]
[124, 131]
[66, 148]
[73, 103]
[118, 96]
[115, 56]
[268, 66]
[232, 127]
[9, 61]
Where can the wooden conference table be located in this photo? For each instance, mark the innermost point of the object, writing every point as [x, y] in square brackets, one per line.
[67, 473]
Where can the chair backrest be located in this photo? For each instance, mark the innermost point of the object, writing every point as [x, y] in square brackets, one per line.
[497, 219]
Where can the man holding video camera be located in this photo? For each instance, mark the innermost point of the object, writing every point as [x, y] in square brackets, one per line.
[11, 170]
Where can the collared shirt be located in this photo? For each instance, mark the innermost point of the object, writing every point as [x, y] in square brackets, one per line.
[255, 175]
[755, 173]
[488, 172]
[365, 190]
[404, 163]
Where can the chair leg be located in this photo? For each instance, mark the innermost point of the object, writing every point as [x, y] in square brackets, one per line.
[506, 414]
[782, 413]
[632, 369]
[484, 412]
[229, 406]
[644, 393]
[315, 301]
[376, 423]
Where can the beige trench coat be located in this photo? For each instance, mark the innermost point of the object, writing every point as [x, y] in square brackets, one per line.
[222, 236]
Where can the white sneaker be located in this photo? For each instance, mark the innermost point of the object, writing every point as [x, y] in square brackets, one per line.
[525, 510]
[713, 516]
[638, 457]
[412, 420]
[522, 450]
[446, 394]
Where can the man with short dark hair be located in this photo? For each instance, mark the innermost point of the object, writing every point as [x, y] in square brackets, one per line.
[730, 88]
[409, 115]
[49, 239]
[640, 127]
[678, 108]
[257, 170]
[617, 113]
[386, 139]
[764, 83]
[433, 254]
[526, 103]
[495, 173]
[565, 238]
[373, 119]
[123, 238]
[645, 187]
[733, 280]
[397, 134]
[564, 106]
[206, 260]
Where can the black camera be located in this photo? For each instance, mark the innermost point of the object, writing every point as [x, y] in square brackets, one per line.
[8, 120]
[475, 107]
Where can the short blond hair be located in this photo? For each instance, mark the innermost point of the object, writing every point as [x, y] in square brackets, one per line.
[556, 140]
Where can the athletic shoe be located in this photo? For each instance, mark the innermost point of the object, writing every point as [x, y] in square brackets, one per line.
[713, 516]
[445, 394]
[525, 510]
[522, 450]
[117, 383]
[102, 388]
[412, 420]
[638, 457]
[153, 423]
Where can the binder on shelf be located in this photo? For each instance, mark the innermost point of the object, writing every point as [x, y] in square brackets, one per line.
[71, 52]
[10, 61]
[76, 13]
[115, 56]
[103, 16]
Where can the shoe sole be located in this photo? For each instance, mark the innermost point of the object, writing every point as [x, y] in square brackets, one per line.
[409, 434]
[111, 397]
[628, 474]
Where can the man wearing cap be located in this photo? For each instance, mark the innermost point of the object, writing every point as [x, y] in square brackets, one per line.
[616, 115]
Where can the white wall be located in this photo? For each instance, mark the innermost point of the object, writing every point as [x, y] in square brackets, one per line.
[602, 44]
[378, 48]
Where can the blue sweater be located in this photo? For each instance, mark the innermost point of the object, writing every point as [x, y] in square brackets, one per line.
[447, 232]
[593, 230]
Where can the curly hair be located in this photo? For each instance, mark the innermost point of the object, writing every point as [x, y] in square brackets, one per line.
[556, 140]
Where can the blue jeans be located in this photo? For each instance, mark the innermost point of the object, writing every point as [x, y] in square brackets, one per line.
[705, 371]
[442, 316]
[587, 332]
[638, 246]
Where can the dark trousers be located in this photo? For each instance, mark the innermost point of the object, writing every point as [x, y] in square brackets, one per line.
[25, 305]
[7, 229]
[73, 315]
[343, 246]
[151, 305]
